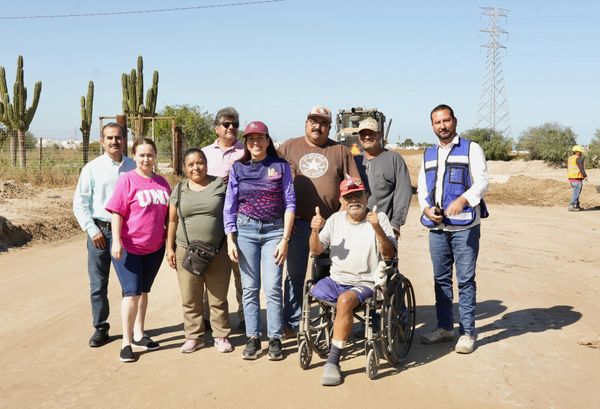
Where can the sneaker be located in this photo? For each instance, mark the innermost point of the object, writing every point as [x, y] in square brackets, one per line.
[99, 338]
[465, 344]
[223, 345]
[252, 348]
[275, 349]
[146, 343]
[126, 354]
[332, 375]
[438, 335]
[191, 345]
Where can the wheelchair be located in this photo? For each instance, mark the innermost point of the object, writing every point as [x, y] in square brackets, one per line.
[394, 302]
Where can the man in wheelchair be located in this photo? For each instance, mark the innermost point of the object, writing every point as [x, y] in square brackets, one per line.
[358, 240]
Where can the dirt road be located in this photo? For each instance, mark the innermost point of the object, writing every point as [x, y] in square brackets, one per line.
[539, 334]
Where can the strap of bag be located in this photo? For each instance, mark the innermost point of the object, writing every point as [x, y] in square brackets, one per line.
[183, 220]
[179, 213]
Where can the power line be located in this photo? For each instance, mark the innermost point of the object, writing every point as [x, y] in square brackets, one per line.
[493, 103]
[118, 13]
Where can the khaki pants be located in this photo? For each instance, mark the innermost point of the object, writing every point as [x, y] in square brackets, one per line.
[235, 268]
[216, 279]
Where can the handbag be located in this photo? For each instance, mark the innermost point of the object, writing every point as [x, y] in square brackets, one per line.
[199, 254]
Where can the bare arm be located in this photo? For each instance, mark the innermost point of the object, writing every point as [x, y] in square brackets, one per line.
[171, 233]
[117, 247]
[316, 224]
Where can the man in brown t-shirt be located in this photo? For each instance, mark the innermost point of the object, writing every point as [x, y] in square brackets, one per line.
[318, 165]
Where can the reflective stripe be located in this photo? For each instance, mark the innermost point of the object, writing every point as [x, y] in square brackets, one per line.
[458, 159]
[430, 164]
[461, 216]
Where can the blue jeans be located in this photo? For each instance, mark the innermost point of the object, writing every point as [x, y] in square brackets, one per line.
[576, 187]
[460, 248]
[256, 242]
[98, 271]
[297, 261]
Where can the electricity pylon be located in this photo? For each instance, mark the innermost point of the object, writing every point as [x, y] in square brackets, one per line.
[493, 103]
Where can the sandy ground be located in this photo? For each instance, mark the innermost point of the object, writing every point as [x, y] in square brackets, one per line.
[538, 321]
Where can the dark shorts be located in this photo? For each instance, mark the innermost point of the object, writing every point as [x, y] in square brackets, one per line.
[328, 290]
[137, 272]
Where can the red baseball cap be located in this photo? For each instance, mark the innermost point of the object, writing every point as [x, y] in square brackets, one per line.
[351, 185]
[256, 127]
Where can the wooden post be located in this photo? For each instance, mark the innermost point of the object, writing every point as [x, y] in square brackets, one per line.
[176, 148]
[40, 166]
[122, 120]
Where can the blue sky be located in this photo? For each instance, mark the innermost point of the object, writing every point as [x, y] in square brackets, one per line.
[273, 62]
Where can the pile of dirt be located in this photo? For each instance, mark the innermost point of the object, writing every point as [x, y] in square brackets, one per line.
[523, 190]
[30, 214]
[11, 235]
[12, 190]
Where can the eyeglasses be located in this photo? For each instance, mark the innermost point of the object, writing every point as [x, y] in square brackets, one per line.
[322, 123]
[226, 125]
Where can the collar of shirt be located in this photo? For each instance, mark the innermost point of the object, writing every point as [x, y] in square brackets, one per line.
[450, 144]
[236, 146]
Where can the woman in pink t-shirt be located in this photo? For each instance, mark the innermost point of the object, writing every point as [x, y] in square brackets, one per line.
[139, 207]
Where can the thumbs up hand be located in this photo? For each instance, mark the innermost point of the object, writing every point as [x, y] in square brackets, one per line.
[317, 221]
[372, 217]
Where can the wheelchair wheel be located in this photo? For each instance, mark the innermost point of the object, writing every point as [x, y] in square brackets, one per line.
[399, 314]
[305, 354]
[372, 363]
[320, 332]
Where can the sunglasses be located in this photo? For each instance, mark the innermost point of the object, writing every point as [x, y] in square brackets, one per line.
[226, 125]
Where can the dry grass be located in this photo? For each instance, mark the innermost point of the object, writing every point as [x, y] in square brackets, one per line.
[45, 176]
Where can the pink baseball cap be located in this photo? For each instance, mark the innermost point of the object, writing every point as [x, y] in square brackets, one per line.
[320, 112]
[351, 185]
[256, 127]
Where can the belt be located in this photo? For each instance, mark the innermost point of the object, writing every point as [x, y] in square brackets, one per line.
[102, 223]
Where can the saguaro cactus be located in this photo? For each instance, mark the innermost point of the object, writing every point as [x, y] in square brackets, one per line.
[133, 98]
[87, 106]
[17, 117]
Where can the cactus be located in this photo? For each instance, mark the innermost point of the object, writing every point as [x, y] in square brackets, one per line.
[17, 117]
[87, 106]
[133, 98]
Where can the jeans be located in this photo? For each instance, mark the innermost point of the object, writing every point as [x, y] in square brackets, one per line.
[297, 261]
[461, 248]
[98, 271]
[576, 187]
[256, 242]
[136, 272]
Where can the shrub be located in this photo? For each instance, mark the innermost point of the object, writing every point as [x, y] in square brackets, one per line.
[494, 144]
[550, 142]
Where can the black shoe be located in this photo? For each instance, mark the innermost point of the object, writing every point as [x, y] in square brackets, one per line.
[99, 338]
[146, 343]
[252, 348]
[275, 349]
[127, 354]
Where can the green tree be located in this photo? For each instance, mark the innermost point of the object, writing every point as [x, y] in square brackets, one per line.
[408, 142]
[592, 159]
[550, 142]
[197, 127]
[494, 144]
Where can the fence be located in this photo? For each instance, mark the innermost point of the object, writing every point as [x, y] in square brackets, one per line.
[51, 148]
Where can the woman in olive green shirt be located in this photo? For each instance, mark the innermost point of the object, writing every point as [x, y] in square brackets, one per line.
[202, 198]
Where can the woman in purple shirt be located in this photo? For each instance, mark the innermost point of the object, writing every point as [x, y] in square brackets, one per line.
[258, 215]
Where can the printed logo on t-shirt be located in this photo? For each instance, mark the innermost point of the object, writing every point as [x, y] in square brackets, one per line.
[272, 174]
[313, 165]
[154, 196]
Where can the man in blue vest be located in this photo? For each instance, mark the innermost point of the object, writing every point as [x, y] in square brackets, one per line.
[452, 182]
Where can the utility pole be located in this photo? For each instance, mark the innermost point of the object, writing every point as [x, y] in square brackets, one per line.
[493, 103]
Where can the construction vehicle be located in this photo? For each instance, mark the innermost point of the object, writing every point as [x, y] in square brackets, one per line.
[347, 121]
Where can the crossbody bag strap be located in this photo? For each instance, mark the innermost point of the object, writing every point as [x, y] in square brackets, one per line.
[179, 213]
